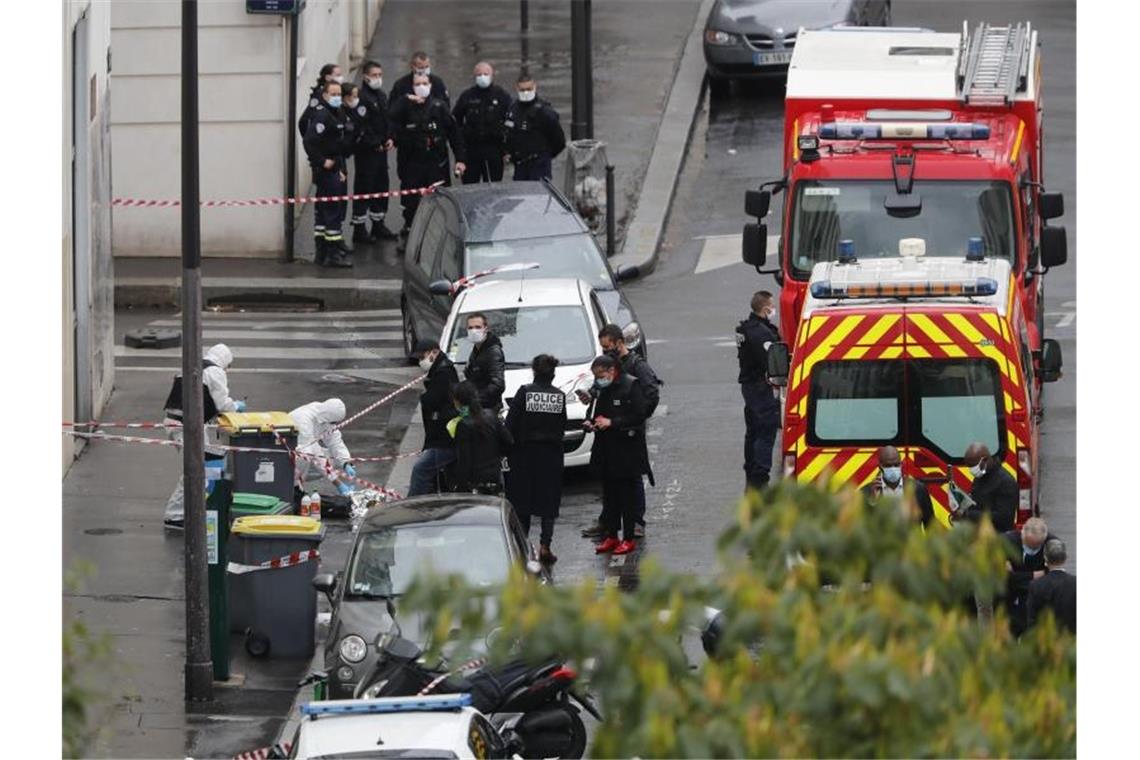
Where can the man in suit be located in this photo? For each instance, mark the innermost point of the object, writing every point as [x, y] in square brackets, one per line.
[1056, 590]
[994, 490]
[891, 482]
[1026, 564]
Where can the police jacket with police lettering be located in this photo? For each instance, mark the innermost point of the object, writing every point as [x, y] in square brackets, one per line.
[619, 451]
[307, 115]
[373, 112]
[751, 335]
[482, 114]
[403, 87]
[424, 130]
[533, 131]
[486, 368]
[329, 137]
[435, 403]
[537, 414]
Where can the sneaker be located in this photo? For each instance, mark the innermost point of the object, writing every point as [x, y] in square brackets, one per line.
[625, 547]
[611, 543]
[639, 530]
[594, 531]
[172, 524]
[545, 556]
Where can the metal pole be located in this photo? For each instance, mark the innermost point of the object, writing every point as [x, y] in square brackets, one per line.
[291, 157]
[577, 75]
[524, 15]
[198, 668]
[588, 65]
[611, 203]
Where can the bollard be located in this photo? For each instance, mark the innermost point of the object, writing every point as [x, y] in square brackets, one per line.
[611, 203]
[218, 531]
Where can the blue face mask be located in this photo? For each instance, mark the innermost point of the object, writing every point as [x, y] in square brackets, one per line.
[603, 382]
[892, 475]
[334, 101]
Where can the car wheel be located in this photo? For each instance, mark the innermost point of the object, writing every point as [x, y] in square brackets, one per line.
[719, 86]
[409, 333]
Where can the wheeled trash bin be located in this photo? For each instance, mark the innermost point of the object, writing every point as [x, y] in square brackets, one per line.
[271, 595]
[264, 472]
[257, 504]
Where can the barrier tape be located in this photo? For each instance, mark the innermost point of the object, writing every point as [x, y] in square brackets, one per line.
[387, 398]
[171, 203]
[263, 752]
[289, 560]
[478, 662]
[136, 425]
[466, 281]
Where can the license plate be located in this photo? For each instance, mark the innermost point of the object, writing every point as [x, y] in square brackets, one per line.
[769, 59]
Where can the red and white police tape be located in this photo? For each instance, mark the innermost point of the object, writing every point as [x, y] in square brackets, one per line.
[174, 203]
[262, 753]
[478, 662]
[137, 425]
[387, 398]
[289, 560]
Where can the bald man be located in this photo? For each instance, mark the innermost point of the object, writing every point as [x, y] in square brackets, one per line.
[891, 483]
[481, 112]
[994, 490]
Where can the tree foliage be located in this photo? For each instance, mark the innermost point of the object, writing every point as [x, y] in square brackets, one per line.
[87, 665]
[851, 633]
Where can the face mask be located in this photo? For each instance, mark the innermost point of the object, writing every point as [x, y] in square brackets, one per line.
[339, 79]
[771, 316]
[334, 101]
[1031, 552]
[476, 336]
[483, 80]
[352, 103]
[425, 71]
[603, 382]
[978, 469]
[892, 475]
[464, 411]
[423, 90]
[426, 362]
[526, 96]
[375, 83]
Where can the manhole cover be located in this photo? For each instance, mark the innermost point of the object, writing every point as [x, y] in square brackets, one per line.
[265, 302]
[151, 338]
[102, 531]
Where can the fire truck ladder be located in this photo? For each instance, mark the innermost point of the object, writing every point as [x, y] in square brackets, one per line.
[994, 64]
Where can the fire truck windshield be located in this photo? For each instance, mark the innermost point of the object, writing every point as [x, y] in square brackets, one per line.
[952, 212]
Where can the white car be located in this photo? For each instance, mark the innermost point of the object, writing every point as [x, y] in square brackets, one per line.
[442, 726]
[533, 316]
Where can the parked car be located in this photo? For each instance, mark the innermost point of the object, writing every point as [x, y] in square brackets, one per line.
[459, 231]
[478, 537]
[754, 39]
[537, 316]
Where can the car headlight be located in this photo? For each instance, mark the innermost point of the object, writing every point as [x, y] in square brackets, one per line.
[632, 335]
[716, 37]
[352, 648]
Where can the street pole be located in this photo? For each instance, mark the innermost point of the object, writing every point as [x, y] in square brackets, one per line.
[524, 15]
[581, 71]
[291, 158]
[198, 668]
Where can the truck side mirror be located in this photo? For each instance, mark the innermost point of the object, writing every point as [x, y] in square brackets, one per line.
[1049, 369]
[1054, 247]
[755, 250]
[1050, 205]
[779, 363]
[756, 203]
[440, 288]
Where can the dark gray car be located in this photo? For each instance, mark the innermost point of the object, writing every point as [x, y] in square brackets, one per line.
[754, 39]
[459, 231]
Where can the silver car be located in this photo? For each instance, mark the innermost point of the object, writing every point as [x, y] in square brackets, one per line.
[754, 39]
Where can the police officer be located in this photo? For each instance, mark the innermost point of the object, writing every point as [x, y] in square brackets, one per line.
[330, 72]
[420, 64]
[421, 126]
[481, 112]
[536, 420]
[327, 145]
[371, 160]
[534, 136]
[761, 406]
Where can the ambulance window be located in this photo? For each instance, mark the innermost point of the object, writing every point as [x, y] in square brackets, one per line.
[853, 402]
[960, 401]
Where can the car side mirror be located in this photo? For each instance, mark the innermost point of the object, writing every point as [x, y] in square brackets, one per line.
[626, 273]
[756, 203]
[779, 362]
[1049, 368]
[755, 245]
[1054, 247]
[325, 583]
[1050, 205]
[440, 288]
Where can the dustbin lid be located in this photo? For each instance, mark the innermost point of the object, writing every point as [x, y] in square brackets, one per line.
[232, 422]
[267, 525]
[254, 501]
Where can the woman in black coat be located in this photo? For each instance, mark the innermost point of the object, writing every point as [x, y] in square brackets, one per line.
[481, 442]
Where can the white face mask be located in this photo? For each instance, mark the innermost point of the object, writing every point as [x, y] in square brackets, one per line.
[339, 79]
[351, 103]
[526, 96]
[978, 470]
[423, 90]
[476, 335]
[426, 362]
[483, 80]
[375, 82]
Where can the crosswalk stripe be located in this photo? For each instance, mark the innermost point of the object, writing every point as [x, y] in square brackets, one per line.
[260, 326]
[272, 352]
[254, 316]
[345, 335]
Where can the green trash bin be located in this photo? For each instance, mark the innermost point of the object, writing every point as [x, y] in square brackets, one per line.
[275, 607]
[254, 504]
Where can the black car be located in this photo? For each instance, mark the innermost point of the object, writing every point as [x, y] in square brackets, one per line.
[478, 537]
[461, 230]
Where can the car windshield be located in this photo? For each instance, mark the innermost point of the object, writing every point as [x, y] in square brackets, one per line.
[574, 256]
[952, 212]
[387, 560]
[561, 331]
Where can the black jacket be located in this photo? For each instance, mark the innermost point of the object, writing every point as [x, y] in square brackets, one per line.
[435, 403]
[481, 113]
[634, 365]
[307, 115]
[328, 137]
[1019, 578]
[995, 492]
[619, 451]
[479, 452]
[537, 414]
[872, 492]
[533, 131]
[374, 117]
[751, 335]
[1057, 591]
[424, 130]
[403, 88]
[486, 367]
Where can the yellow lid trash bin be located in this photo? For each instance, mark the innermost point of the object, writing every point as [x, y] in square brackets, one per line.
[264, 472]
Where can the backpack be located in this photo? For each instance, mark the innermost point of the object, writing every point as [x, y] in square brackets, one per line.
[173, 406]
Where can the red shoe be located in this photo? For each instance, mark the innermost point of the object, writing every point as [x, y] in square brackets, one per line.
[625, 547]
[608, 545]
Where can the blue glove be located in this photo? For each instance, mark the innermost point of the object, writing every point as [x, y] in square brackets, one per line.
[239, 405]
[350, 470]
[343, 488]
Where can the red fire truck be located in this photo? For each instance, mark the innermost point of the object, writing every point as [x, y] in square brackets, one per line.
[895, 133]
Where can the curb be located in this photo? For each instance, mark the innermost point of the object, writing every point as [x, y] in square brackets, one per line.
[338, 294]
[647, 225]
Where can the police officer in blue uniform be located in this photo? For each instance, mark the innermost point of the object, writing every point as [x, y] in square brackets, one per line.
[330, 72]
[534, 136]
[327, 145]
[481, 112]
[761, 405]
[370, 169]
[420, 65]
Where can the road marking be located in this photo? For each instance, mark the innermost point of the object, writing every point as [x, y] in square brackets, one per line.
[332, 334]
[1067, 317]
[618, 561]
[720, 251]
[254, 327]
[269, 352]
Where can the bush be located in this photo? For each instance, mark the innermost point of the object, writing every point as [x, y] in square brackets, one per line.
[87, 665]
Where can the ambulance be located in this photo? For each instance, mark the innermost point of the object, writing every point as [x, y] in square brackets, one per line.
[927, 354]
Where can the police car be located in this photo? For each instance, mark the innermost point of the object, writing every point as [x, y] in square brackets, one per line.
[531, 316]
[433, 726]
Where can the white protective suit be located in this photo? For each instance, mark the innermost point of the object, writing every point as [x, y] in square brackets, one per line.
[317, 435]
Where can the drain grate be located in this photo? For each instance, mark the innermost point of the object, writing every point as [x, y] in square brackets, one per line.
[271, 302]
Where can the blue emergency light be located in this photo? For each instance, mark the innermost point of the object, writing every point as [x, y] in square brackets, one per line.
[431, 703]
[975, 250]
[981, 286]
[846, 251]
[855, 130]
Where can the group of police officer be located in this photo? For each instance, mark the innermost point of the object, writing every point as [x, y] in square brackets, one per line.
[485, 128]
